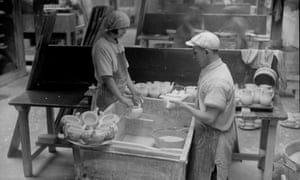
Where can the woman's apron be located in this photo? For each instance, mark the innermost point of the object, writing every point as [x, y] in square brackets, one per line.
[104, 97]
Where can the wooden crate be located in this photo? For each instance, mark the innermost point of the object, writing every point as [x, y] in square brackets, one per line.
[132, 155]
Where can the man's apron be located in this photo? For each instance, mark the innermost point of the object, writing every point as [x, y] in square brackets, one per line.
[202, 153]
[211, 148]
[104, 97]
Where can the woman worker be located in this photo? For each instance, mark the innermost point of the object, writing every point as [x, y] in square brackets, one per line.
[110, 63]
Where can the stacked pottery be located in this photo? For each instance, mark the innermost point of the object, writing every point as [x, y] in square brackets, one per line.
[89, 127]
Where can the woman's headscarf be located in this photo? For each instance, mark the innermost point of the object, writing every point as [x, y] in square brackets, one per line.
[116, 20]
[113, 20]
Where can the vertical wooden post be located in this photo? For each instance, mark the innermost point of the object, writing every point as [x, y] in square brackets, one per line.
[18, 33]
[276, 26]
[260, 4]
[140, 20]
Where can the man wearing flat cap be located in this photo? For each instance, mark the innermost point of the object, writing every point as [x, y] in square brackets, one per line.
[214, 134]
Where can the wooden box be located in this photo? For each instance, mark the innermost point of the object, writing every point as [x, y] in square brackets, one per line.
[132, 155]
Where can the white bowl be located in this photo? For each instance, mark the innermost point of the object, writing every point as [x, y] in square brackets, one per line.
[136, 112]
[166, 138]
[90, 119]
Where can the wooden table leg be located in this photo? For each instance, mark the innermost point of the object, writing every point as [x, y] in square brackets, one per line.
[77, 162]
[269, 145]
[263, 141]
[50, 125]
[25, 139]
[68, 38]
[13, 150]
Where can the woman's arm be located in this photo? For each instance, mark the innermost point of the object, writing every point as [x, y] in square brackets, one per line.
[111, 84]
[135, 94]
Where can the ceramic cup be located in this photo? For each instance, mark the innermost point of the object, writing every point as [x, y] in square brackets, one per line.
[154, 90]
[136, 111]
[266, 96]
[90, 119]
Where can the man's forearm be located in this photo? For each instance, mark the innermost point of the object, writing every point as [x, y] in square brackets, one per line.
[207, 117]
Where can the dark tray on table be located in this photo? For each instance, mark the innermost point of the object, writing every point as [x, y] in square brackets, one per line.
[255, 107]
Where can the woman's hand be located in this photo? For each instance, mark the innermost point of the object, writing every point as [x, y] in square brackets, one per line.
[137, 98]
[128, 102]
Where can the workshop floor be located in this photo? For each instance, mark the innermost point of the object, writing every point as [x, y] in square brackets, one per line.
[59, 166]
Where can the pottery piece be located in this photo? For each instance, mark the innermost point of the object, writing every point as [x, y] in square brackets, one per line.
[90, 119]
[73, 133]
[166, 138]
[136, 111]
[142, 88]
[266, 86]
[266, 97]
[154, 91]
[250, 86]
[246, 97]
[256, 95]
[70, 119]
[164, 89]
[109, 119]
[191, 91]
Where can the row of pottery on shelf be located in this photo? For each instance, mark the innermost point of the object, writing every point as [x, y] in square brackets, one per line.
[90, 127]
[253, 94]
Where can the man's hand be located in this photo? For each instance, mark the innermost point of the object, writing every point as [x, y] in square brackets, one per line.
[178, 103]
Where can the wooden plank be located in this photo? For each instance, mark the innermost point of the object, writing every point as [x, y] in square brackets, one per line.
[45, 34]
[242, 8]
[158, 23]
[105, 165]
[53, 72]
[247, 157]
[50, 125]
